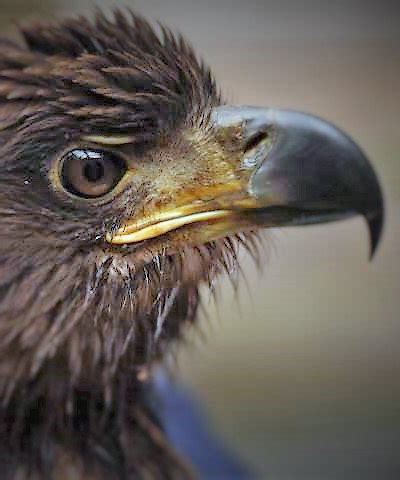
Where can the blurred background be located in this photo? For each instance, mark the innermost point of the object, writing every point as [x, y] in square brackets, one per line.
[299, 371]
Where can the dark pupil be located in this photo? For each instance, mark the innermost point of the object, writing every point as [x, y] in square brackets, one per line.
[94, 171]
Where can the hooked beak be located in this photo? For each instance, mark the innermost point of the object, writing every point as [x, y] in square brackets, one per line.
[305, 170]
[295, 169]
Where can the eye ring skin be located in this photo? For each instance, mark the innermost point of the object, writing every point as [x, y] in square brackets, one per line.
[55, 176]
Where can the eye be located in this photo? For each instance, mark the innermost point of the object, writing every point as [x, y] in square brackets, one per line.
[91, 173]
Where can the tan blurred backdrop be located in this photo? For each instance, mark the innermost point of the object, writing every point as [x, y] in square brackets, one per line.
[300, 373]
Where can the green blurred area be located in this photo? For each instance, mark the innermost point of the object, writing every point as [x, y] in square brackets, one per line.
[300, 370]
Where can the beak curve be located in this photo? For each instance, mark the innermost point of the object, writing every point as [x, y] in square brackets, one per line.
[305, 170]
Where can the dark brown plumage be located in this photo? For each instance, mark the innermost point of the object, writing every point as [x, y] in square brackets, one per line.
[83, 319]
[77, 321]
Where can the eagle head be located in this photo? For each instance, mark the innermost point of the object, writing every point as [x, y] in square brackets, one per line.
[126, 182]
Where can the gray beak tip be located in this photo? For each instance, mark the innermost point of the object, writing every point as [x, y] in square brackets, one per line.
[375, 224]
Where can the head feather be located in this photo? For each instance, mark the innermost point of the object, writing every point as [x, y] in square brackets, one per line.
[113, 75]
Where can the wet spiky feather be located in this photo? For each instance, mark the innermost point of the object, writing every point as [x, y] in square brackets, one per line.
[98, 71]
[81, 324]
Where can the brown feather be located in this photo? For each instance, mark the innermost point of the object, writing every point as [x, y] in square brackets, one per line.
[80, 321]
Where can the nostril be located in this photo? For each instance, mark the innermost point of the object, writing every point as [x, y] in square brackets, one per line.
[255, 141]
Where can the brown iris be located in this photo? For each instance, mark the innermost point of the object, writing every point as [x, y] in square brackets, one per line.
[91, 173]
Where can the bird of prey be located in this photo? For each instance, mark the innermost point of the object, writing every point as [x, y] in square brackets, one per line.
[126, 182]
